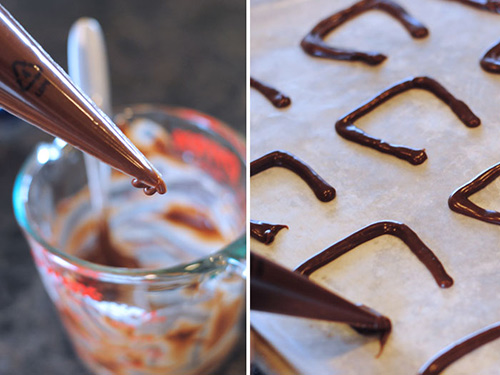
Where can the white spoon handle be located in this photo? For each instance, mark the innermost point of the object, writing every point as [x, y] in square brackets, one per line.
[88, 68]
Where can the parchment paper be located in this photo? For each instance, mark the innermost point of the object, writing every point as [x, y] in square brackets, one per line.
[371, 186]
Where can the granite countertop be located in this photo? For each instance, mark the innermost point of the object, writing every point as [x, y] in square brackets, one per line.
[189, 54]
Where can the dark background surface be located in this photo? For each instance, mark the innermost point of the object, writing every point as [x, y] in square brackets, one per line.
[181, 53]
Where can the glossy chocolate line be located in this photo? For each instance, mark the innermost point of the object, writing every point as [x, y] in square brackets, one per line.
[491, 59]
[314, 45]
[323, 191]
[489, 5]
[276, 289]
[459, 349]
[460, 203]
[265, 232]
[345, 126]
[393, 228]
[278, 99]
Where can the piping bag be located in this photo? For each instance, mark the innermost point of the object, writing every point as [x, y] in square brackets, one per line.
[34, 88]
[276, 289]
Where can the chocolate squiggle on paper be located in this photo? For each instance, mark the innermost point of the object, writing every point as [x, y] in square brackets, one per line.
[491, 59]
[265, 232]
[345, 126]
[489, 5]
[393, 228]
[314, 45]
[278, 99]
[459, 349]
[459, 200]
[323, 191]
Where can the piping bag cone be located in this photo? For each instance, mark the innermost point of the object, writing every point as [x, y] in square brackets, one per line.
[277, 290]
[34, 88]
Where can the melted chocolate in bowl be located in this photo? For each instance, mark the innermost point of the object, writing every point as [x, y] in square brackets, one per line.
[158, 323]
[197, 217]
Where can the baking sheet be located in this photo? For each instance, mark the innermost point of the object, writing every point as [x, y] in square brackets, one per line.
[371, 186]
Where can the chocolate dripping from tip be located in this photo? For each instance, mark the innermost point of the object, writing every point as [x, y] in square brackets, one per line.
[34, 88]
[278, 290]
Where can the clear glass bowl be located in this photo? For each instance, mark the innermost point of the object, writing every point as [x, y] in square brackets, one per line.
[180, 319]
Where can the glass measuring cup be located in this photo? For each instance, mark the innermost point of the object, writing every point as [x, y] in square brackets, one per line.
[173, 319]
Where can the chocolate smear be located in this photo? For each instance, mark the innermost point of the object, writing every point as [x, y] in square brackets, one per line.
[106, 253]
[194, 219]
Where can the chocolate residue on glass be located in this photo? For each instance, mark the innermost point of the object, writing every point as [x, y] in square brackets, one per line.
[314, 45]
[35, 89]
[460, 348]
[489, 5]
[345, 126]
[393, 228]
[105, 252]
[278, 99]
[194, 219]
[491, 59]
[459, 200]
[276, 289]
[265, 232]
[323, 191]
